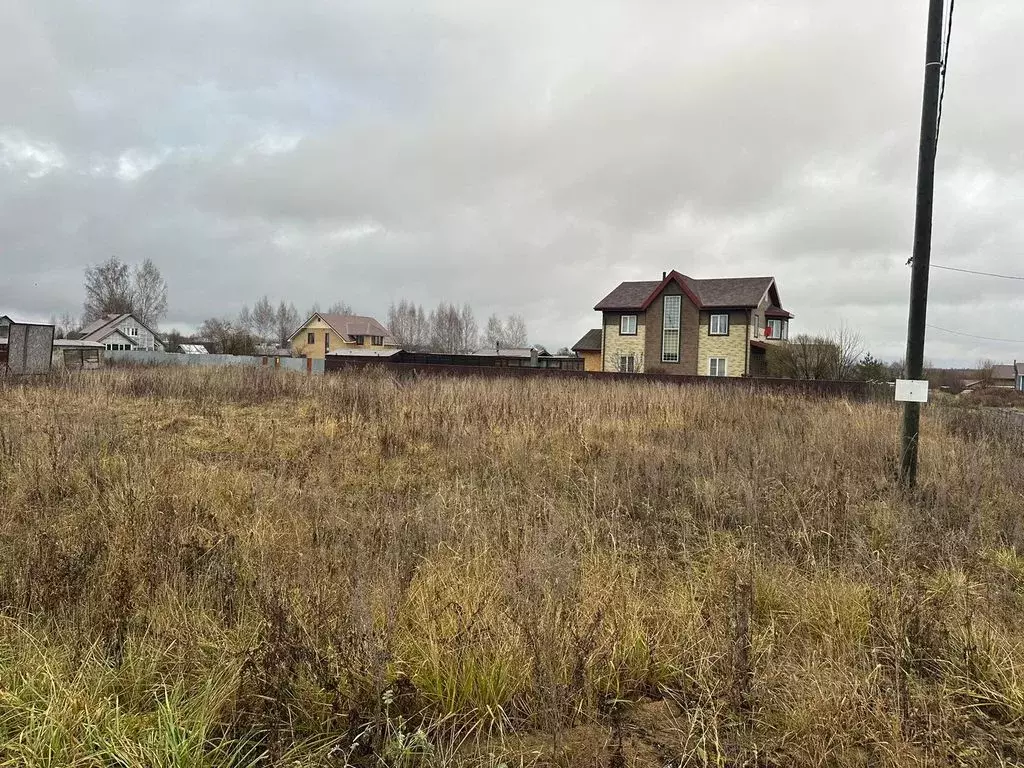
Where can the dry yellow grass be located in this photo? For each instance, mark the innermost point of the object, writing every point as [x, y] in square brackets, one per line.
[237, 568]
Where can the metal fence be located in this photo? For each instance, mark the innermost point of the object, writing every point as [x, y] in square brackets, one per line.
[29, 349]
[852, 390]
[299, 364]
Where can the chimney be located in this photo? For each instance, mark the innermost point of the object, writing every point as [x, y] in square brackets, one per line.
[533, 357]
[664, 275]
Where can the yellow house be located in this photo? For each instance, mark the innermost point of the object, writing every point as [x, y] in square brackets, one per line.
[589, 348]
[322, 334]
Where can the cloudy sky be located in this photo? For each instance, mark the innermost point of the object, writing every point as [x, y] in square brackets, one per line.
[522, 156]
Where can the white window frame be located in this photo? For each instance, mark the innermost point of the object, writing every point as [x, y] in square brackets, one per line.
[627, 363]
[623, 324]
[719, 370]
[711, 324]
[133, 331]
[783, 328]
[670, 350]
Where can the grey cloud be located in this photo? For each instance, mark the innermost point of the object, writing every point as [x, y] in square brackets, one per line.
[525, 157]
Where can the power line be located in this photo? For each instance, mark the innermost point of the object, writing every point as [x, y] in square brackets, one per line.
[977, 272]
[945, 63]
[972, 336]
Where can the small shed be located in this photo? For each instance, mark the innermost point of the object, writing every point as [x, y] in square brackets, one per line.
[77, 354]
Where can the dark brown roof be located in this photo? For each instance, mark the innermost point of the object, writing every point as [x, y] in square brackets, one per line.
[774, 311]
[628, 295]
[716, 292]
[731, 291]
[591, 342]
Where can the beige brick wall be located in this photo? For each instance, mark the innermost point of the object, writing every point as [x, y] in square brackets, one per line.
[733, 348]
[616, 345]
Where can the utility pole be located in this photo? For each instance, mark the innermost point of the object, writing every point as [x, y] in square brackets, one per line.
[922, 239]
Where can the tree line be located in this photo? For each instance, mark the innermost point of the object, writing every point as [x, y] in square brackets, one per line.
[451, 329]
[446, 328]
[114, 287]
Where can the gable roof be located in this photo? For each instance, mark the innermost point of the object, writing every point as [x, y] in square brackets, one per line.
[630, 295]
[102, 327]
[1004, 371]
[591, 342]
[348, 326]
[727, 292]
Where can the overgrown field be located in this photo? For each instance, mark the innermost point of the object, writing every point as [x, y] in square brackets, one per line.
[237, 568]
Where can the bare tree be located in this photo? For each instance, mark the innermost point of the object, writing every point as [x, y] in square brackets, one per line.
[229, 336]
[149, 294]
[516, 334]
[112, 288]
[469, 330]
[64, 325]
[851, 350]
[287, 321]
[833, 355]
[339, 308]
[804, 357]
[108, 289]
[245, 318]
[508, 334]
[409, 325]
[494, 333]
[445, 329]
[264, 319]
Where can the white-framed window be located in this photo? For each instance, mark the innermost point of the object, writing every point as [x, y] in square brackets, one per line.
[717, 366]
[719, 324]
[672, 307]
[627, 325]
[777, 329]
[627, 363]
[133, 331]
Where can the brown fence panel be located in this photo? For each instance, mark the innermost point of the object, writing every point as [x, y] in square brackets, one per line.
[854, 390]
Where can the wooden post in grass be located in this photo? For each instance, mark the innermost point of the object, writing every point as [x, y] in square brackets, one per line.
[922, 239]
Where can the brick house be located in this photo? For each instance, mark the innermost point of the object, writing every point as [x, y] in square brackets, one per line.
[680, 325]
[589, 348]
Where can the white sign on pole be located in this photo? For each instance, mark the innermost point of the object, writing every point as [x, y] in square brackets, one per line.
[910, 391]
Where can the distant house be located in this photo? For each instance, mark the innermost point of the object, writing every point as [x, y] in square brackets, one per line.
[681, 325]
[1003, 376]
[527, 357]
[323, 333]
[122, 332]
[589, 348]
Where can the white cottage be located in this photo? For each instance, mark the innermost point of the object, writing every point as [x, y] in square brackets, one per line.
[121, 332]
